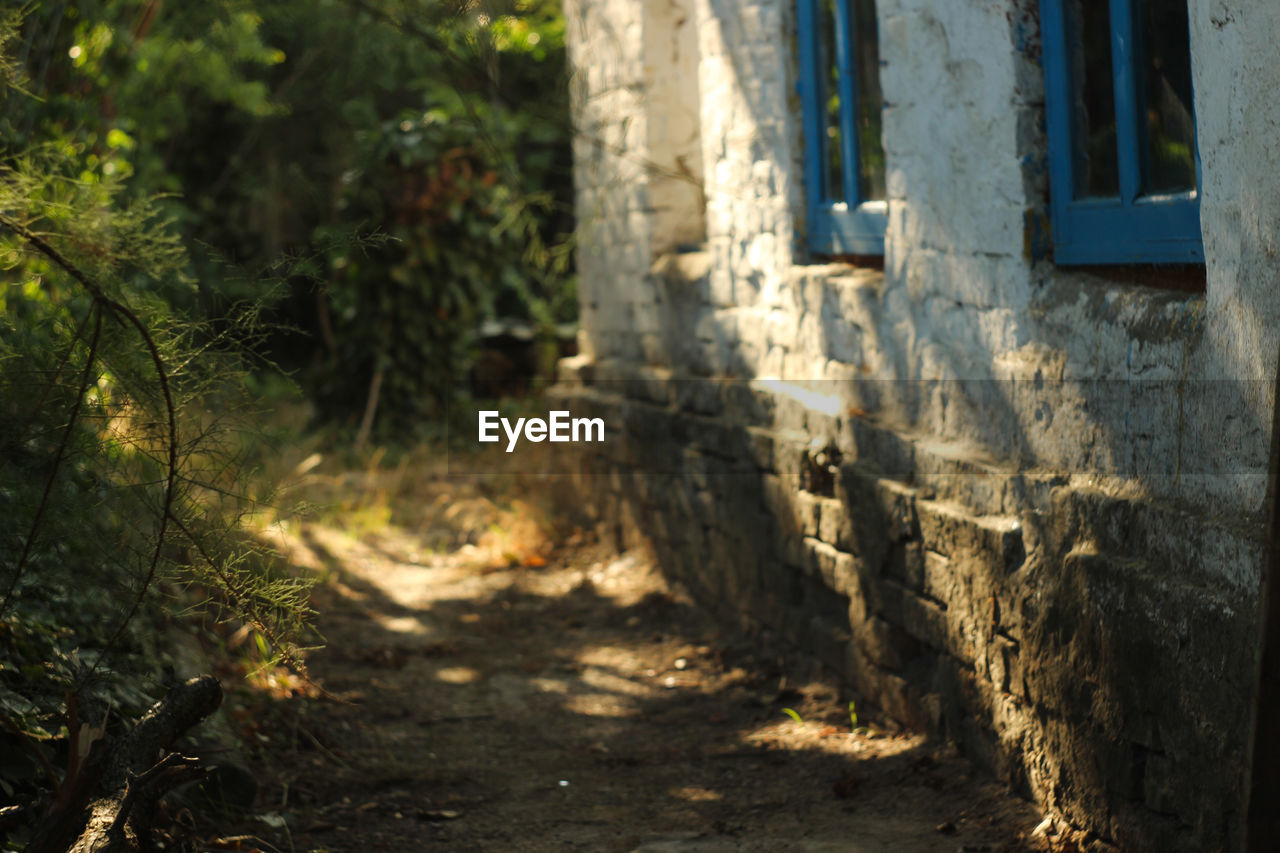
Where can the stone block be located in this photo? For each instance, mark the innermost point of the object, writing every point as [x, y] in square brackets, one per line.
[940, 582]
[1005, 667]
[885, 644]
[808, 513]
[947, 528]
[925, 620]
[837, 570]
[698, 396]
[835, 526]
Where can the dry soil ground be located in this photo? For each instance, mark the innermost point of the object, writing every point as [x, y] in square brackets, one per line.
[497, 682]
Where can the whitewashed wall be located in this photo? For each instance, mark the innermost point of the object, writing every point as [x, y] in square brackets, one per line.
[1151, 407]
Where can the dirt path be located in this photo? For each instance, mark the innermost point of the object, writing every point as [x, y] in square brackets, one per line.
[548, 695]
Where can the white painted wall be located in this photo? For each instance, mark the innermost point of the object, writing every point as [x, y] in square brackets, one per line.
[1122, 430]
[959, 299]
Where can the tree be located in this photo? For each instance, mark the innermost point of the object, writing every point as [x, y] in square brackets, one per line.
[112, 475]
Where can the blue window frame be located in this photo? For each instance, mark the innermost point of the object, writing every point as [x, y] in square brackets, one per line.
[1124, 172]
[839, 85]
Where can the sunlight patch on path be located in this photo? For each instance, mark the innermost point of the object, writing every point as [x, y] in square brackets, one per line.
[833, 740]
[458, 675]
[610, 682]
[597, 705]
[411, 625]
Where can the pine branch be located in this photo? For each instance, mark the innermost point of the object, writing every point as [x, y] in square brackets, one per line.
[127, 316]
[36, 519]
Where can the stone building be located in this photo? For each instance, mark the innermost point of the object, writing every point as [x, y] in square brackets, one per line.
[937, 337]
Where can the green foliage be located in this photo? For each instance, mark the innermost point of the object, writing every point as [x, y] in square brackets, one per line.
[122, 82]
[115, 480]
[111, 461]
[413, 152]
[398, 170]
[853, 721]
[794, 714]
[452, 149]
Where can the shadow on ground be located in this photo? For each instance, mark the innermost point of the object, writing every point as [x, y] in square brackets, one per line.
[580, 704]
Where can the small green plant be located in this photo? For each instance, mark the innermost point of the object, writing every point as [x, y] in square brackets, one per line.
[853, 721]
[793, 714]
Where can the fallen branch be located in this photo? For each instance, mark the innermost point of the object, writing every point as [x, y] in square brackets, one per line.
[122, 821]
[185, 705]
[130, 777]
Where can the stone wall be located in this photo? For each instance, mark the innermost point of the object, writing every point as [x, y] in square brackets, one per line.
[1013, 503]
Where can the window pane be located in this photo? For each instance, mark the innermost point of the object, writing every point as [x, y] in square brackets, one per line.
[831, 98]
[1168, 126]
[1094, 115]
[1097, 170]
[870, 149]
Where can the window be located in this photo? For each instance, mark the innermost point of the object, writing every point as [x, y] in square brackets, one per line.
[1123, 167]
[840, 97]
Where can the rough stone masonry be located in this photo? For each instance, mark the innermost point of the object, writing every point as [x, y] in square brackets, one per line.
[1016, 504]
